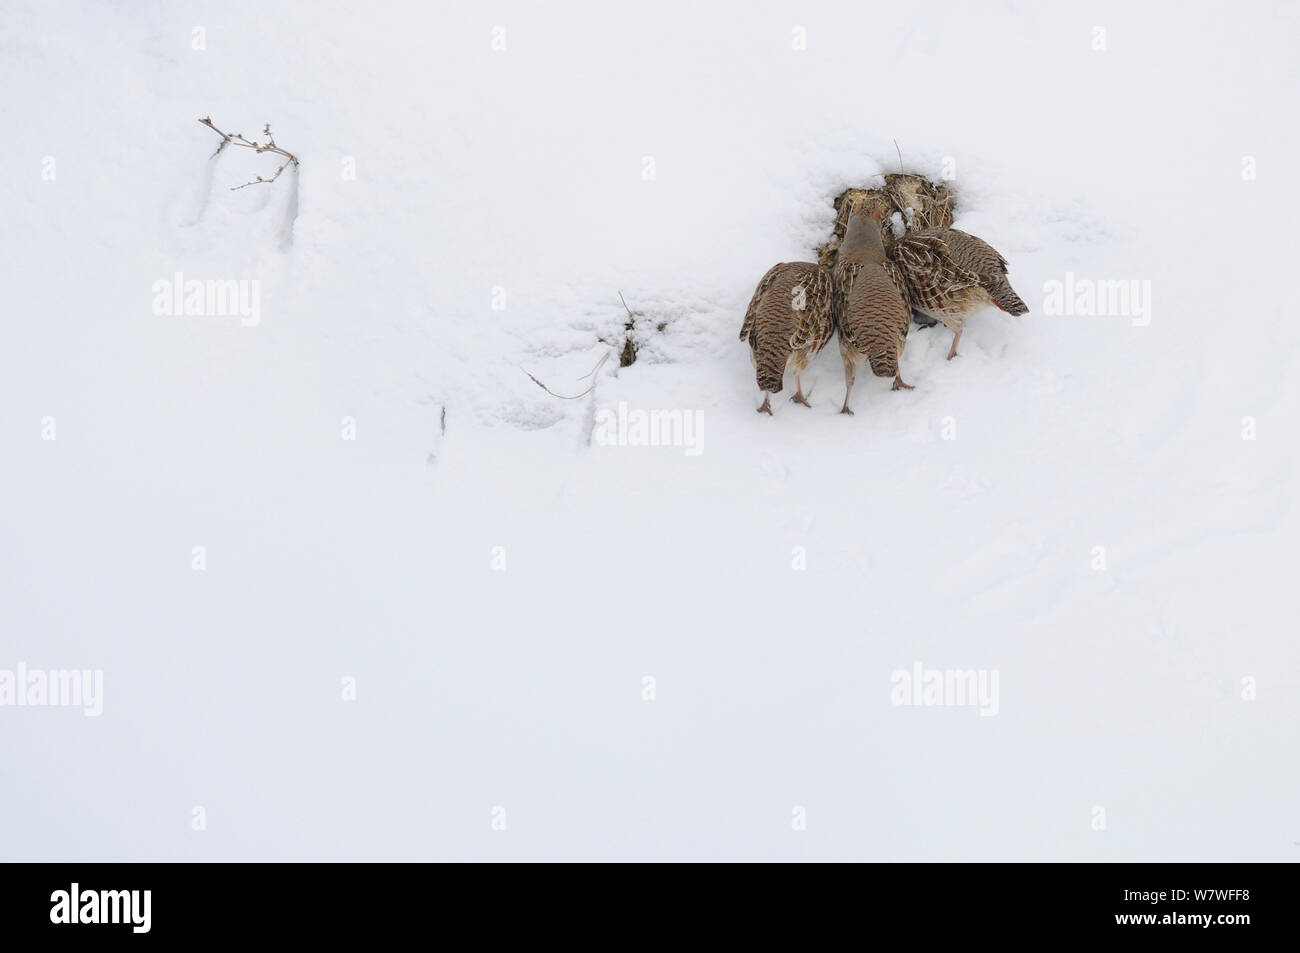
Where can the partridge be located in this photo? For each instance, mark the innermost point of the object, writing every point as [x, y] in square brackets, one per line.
[871, 303]
[789, 320]
[950, 275]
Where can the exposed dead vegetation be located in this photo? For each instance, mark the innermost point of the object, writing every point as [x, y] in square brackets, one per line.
[236, 139]
[923, 204]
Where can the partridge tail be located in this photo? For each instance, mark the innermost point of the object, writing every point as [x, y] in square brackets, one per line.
[769, 366]
[884, 361]
[1005, 297]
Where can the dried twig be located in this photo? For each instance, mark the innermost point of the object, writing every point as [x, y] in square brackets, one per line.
[598, 366]
[238, 139]
[627, 357]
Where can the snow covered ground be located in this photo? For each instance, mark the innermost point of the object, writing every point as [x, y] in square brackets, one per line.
[563, 649]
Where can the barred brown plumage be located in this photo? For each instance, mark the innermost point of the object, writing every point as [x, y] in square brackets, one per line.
[788, 321]
[872, 311]
[951, 274]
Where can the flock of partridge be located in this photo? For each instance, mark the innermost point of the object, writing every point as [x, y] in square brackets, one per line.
[868, 297]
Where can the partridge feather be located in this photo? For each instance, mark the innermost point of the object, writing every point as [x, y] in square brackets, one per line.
[872, 310]
[951, 274]
[788, 321]
[930, 271]
[872, 313]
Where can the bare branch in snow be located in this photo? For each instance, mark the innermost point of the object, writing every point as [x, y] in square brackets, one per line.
[598, 366]
[237, 139]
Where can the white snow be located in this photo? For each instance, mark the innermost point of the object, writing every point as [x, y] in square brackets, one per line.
[516, 177]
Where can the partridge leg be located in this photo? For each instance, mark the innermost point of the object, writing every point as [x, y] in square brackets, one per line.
[766, 407]
[899, 385]
[952, 351]
[798, 397]
[850, 370]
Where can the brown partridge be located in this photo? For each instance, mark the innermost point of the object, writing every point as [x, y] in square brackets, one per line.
[950, 275]
[871, 304]
[789, 320]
